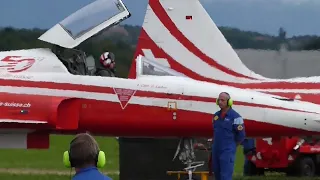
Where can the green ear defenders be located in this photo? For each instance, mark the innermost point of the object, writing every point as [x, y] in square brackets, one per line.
[230, 101]
[100, 159]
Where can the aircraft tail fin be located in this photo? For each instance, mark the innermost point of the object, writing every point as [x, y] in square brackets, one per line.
[182, 35]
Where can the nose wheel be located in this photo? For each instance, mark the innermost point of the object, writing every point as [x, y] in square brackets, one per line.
[185, 150]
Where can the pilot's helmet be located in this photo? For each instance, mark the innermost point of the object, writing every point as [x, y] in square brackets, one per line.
[107, 59]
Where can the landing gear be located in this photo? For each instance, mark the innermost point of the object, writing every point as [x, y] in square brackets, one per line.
[307, 167]
[304, 166]
[187, 156]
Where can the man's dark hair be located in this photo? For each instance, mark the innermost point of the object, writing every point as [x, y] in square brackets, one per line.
[226, 94]
[83, 150]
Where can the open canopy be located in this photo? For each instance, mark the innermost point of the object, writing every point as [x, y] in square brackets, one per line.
[86, 22]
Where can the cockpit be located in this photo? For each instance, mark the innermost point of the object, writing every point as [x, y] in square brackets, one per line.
[88, 21]
[83, 24]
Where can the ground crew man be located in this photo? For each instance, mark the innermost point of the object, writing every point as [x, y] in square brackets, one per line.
[84, 155]
[229, 132]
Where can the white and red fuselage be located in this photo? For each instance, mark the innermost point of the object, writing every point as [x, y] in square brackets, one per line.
[39, 96]
[149, 106]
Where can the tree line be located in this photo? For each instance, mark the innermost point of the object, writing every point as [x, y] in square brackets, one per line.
[123, 45]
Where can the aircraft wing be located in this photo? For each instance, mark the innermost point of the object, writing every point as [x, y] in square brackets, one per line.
[86, 22]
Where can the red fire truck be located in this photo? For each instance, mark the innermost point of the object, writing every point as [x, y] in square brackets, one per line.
[292, 155]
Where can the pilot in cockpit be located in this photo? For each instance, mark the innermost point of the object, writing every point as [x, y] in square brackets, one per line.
[107, 65]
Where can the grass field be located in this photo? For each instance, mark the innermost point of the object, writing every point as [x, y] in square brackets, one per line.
[52, 159]
[61, 177]
[47, 164]
[39, 177]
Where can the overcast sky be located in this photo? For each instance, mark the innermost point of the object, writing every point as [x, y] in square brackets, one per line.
[298, 17]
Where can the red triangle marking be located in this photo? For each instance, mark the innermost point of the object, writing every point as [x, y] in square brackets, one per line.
[124, 95]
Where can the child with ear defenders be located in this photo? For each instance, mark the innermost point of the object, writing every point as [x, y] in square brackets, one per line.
[85, 156]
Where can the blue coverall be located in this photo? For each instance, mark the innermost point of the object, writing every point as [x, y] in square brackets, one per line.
[228, 133]
[248, 145]
[90, 173]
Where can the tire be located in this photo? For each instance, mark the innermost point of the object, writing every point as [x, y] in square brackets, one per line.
[307, 167]
[303, 167]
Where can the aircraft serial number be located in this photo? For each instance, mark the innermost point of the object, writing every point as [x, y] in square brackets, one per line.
[151, 86]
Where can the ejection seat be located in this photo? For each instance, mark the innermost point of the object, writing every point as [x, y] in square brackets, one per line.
[91, 65]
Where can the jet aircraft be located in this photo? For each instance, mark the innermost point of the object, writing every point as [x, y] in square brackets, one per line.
[46, 91]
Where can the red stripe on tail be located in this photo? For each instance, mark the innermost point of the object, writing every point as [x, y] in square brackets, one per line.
[169, 24]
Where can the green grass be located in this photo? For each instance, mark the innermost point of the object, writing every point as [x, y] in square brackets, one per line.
[38, 177]
[57, 177]
[238, 167]
[52, 158]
